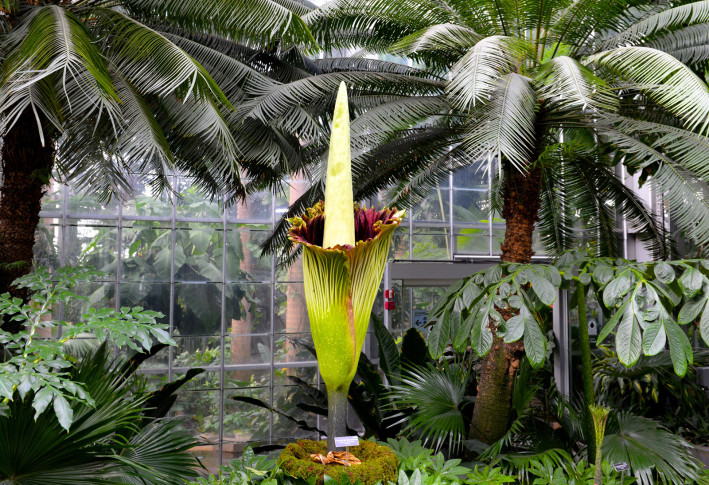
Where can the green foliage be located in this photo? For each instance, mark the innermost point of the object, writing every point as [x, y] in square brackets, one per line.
[121, 437]
[523, 292]
[39, 366]
[439, 402]
[646, 305]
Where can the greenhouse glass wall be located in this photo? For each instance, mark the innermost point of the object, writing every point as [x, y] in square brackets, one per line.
[231, 312]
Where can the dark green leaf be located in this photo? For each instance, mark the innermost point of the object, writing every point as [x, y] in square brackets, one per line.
[664, 272]
[535, 343]
[438, 336]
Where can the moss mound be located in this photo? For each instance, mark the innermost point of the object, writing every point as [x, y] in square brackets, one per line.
[378, 462]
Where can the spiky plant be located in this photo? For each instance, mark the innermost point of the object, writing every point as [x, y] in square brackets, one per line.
[345, 251]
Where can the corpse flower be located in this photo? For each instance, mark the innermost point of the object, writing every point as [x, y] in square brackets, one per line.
[345, 249]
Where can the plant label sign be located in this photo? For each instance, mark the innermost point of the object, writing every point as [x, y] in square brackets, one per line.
[345, 441]
[420, 318]
[592, 327]
[621, 467]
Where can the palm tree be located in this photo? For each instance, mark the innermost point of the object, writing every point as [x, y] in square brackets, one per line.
[105, 92]
[550, 97]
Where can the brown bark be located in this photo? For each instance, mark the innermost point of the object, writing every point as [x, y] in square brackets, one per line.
[492, 407]
[26, 167]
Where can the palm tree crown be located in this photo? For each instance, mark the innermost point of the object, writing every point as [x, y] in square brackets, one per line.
[560, 92]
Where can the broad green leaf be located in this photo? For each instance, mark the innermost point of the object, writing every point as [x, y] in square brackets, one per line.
[41, 401]
[438, 336]
[455, 323]
[611, 324]
[704, 326]
[517, 324]
[680, 347]
[602, 274]
[460, 340]
[64, 413]
[493, 275]
[616, 289]
[691, 309]
[664, 272]
[654, 338]
[6, 388]
[542, 287]
[691, 282]
[535, 343]
[628, 339]
[481, 335]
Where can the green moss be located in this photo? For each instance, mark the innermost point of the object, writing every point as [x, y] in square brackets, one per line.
[378, 462]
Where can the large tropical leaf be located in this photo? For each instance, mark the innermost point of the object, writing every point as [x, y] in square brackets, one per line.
[666, 80]
[478, 74]
[506, 125]
[248, 21]
[650, 450]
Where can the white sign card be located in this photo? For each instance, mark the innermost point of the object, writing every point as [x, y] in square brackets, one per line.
[345, 441]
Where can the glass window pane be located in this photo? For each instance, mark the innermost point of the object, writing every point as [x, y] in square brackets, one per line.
[198, 309]
[435, 207]
[243, 255]
[198, 252]
[146, 251]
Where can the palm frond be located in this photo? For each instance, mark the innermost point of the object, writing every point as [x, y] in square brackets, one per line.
[507, 124]
[234, 78]
[258, 22]
[689, 45]
[336, 64]
[277, 101]
[372, 24]
[438, 400]
[51, 43]
[666, 81]
[651, 450]
[479, 72]
[440, 39]
[568, 85]
[683, 191]
[680, 16]
[151, 62]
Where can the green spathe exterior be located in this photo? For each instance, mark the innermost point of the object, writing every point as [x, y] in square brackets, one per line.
[339, 219]
[343, 263]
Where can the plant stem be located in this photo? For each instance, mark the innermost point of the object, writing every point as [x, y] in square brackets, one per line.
[586, 369]
[336, 416]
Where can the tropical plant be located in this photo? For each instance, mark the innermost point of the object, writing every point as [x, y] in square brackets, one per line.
[37, 368]
[105, 93]
[548, 97]
[121, 437]
[345, 250]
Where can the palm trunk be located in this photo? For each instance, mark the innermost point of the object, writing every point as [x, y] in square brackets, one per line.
[26, 167]
[492, 407]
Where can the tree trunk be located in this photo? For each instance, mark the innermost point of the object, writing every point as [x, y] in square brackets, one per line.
[26, 167]
[492, 407]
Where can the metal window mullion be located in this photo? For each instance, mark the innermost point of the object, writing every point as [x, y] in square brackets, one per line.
[222, 339]
[273, 327]
[119, 256]
[490, 211]
[450, 214]
[62, 252]
[171, 313]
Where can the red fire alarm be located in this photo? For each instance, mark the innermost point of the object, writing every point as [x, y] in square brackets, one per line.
[390, 305]
[389, 294]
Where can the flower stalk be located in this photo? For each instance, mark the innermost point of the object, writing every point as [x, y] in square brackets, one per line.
[345, 248]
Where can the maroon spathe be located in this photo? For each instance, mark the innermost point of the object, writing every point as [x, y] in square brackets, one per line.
[311, 227]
